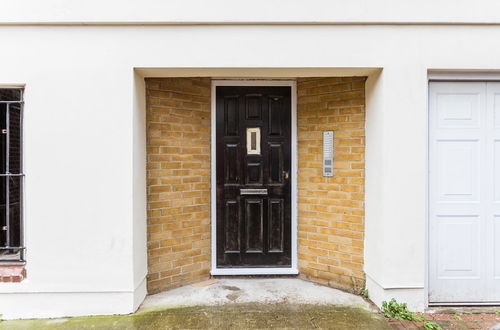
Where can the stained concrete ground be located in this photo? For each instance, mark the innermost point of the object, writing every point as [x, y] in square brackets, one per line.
[255, 291]
[234, 304]
[247, 304]
[235, 316]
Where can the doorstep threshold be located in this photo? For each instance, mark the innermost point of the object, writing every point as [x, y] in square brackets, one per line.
[254, 271]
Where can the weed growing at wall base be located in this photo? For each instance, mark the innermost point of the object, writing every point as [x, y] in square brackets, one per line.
[429, 325]
[364, 293]
[399, 311]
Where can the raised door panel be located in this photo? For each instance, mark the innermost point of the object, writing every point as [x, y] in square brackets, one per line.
[231, 116]
[458, 165]
[496, 171]
[275, 163]
[253, 106]
[232, 164]
[459, 110]
[232, 226]
[254, 173]
[276, 119]
[254, 224]
[276, 225]
[496, 108]
[496, 248]
[458, 247]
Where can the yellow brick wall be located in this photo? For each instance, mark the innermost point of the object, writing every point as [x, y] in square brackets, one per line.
[178, 143]
[331, 210]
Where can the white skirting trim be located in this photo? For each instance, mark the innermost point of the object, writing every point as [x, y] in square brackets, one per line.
[63, 304]
[414, 296]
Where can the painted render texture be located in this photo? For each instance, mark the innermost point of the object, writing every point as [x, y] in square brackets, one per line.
[83, 66]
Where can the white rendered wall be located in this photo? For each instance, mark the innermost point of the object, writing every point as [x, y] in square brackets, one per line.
[84, 142]
[256, 11]
[79, 193]
[139, 190]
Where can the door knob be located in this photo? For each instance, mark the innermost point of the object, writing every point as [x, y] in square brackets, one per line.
[286, 175]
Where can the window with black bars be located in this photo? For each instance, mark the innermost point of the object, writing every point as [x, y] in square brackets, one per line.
[11, 175]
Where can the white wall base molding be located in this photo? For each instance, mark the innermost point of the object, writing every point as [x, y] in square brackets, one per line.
[413, 296]
[64, 304]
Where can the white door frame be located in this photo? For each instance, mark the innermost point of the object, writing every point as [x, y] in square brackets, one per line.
[213, 203]
[447, 76]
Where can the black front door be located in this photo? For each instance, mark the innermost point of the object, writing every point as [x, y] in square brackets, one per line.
[253, 176]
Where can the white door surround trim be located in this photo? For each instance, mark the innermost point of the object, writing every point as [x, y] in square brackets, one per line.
[463, 75]
[213, 198]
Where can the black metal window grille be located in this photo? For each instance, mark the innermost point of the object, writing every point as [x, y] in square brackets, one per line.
[11, 175]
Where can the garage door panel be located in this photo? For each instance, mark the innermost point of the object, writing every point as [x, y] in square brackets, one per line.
[458, 247]
[496, 108]
[496, 253]
[465, 135]
[456, 209]
[458, 110]
[458, 170]
[496, 171]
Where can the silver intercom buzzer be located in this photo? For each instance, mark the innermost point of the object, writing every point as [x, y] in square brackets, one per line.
[327, 153]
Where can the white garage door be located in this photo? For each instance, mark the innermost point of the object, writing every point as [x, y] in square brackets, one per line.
[464, 192]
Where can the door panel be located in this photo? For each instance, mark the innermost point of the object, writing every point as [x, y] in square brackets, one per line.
[496, 247]
[458, 170]
[458, 247]
[276, 104]
[463, 181]
[275, 163]
[254, 106]
[231, 115]
[495, 99]
[276, 222]
[232, 169]
[232, 237]
[253, 129]
[254, 173]
[254, 219]
[459, 110]
[496, 171]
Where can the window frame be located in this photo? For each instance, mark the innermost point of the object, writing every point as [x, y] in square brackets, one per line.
[10, 253]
